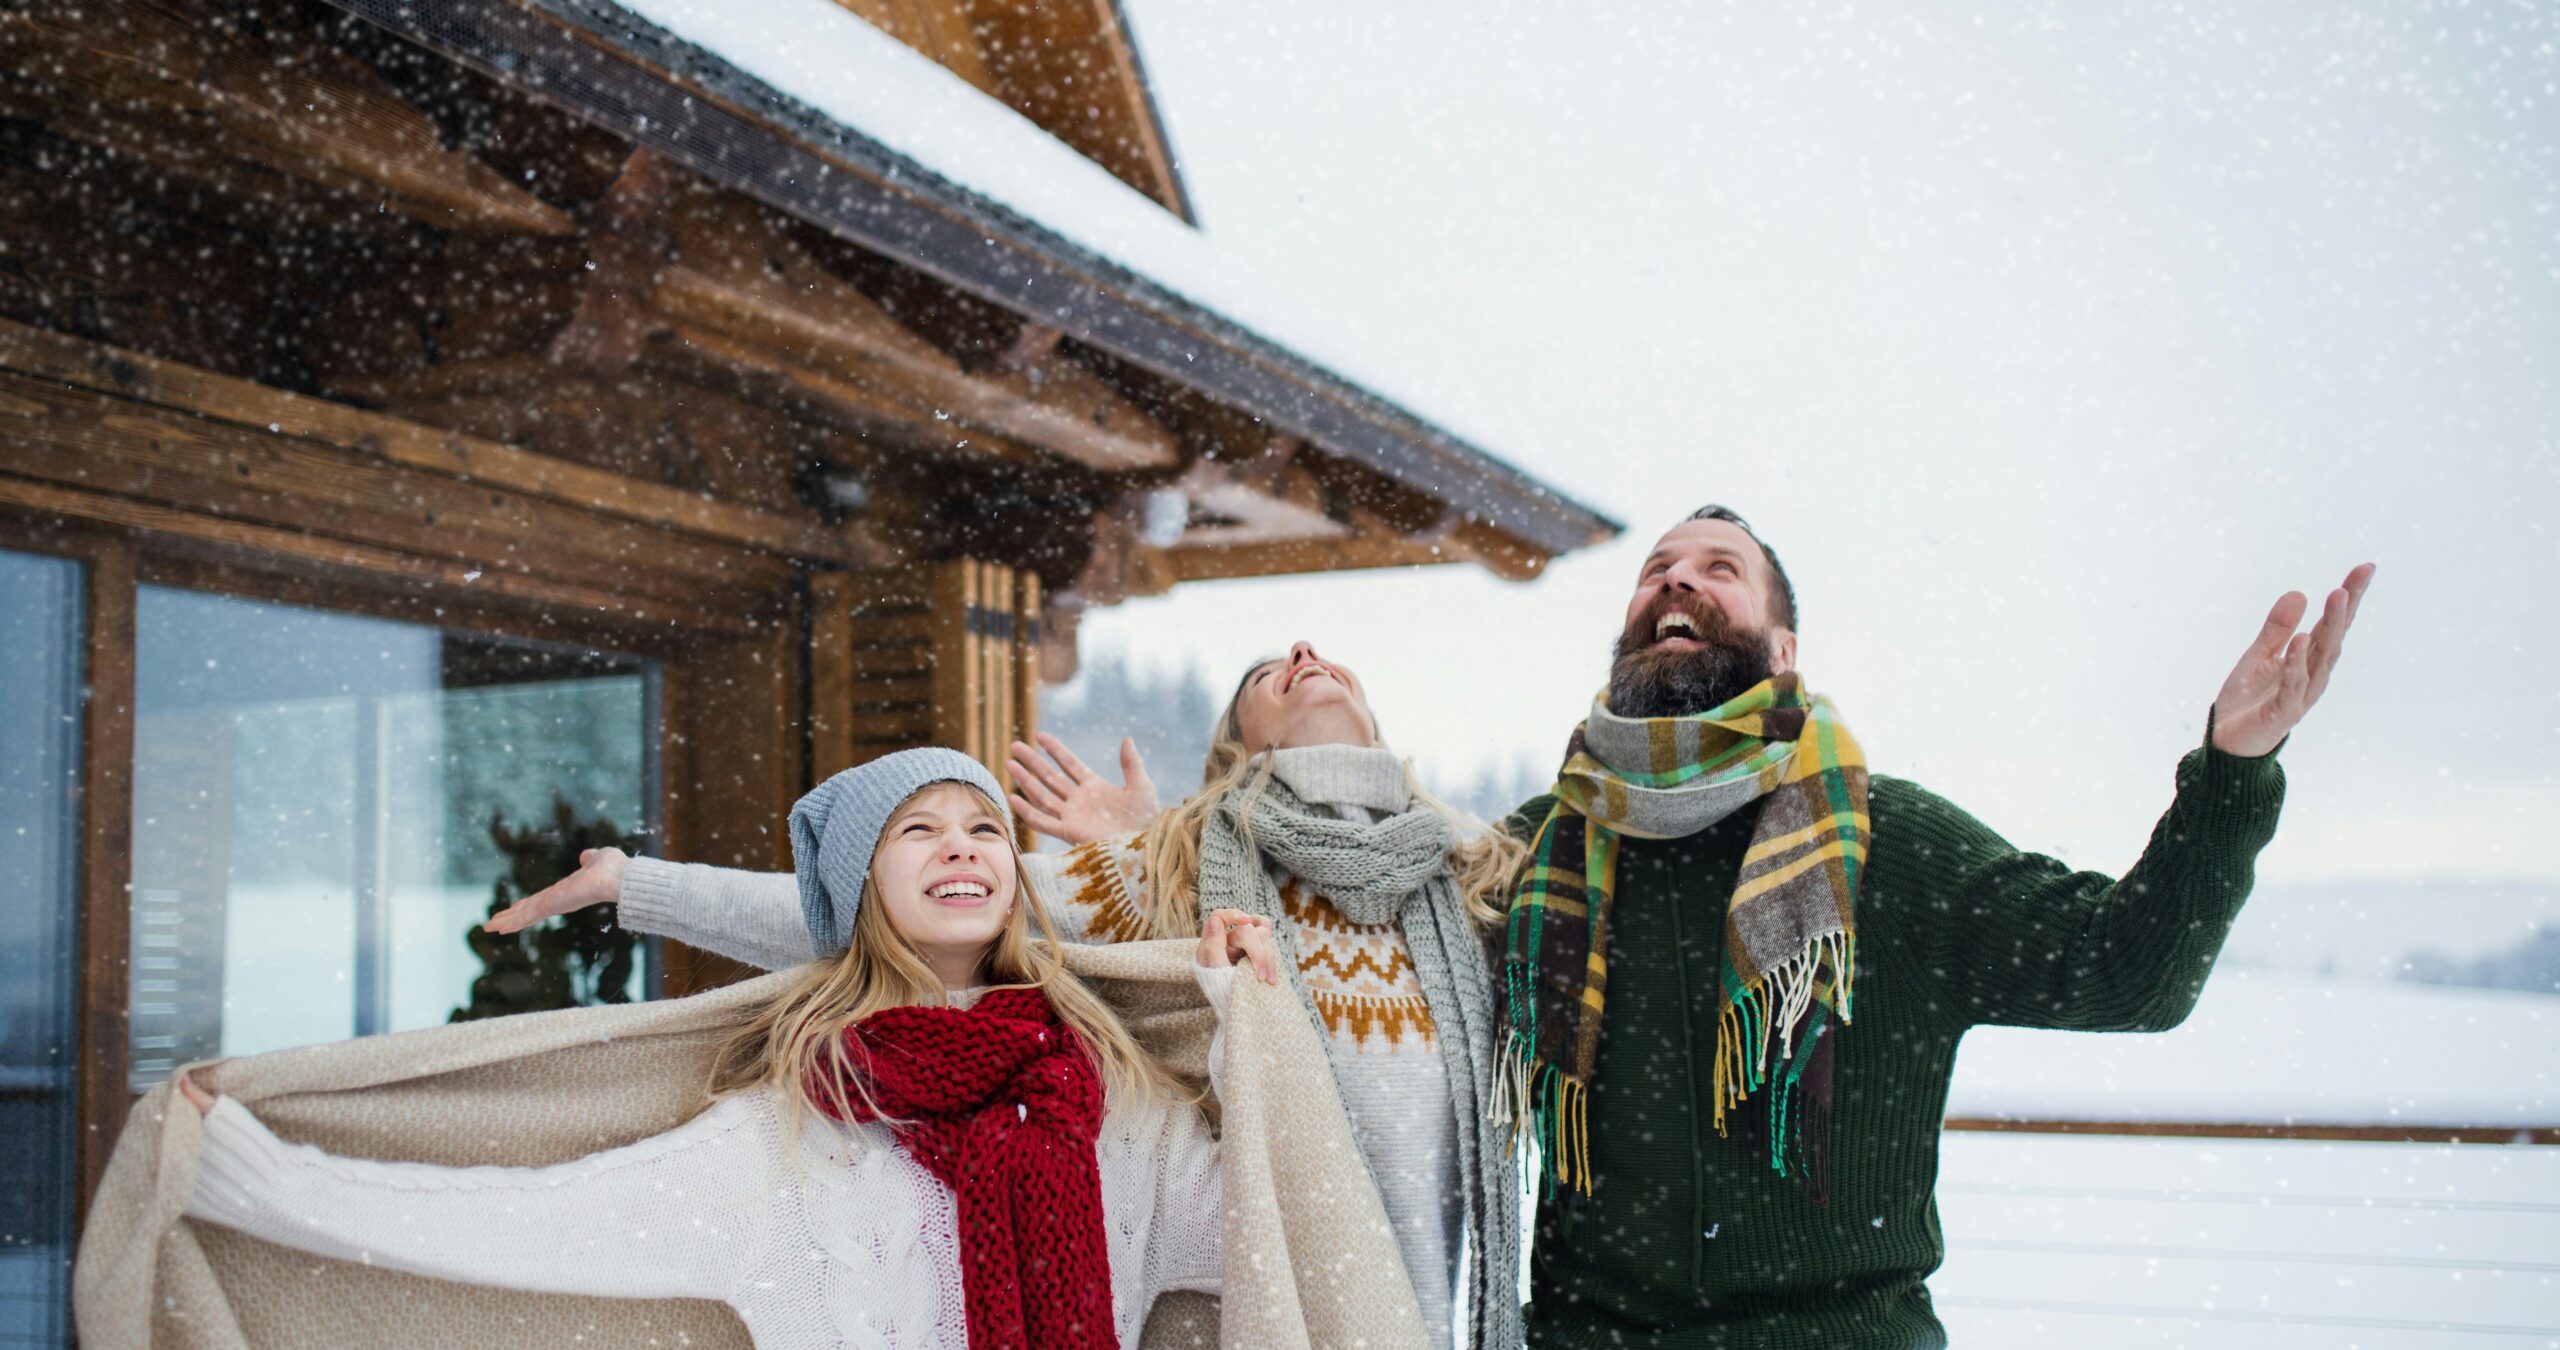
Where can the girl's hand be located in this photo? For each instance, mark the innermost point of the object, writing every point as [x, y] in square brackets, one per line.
[1232, 933]
[195, 1096]
[597, 881]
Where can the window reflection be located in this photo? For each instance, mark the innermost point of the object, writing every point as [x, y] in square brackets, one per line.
[39, 934]
[313, 797]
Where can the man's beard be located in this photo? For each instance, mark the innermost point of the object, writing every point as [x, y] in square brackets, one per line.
[1650, 681]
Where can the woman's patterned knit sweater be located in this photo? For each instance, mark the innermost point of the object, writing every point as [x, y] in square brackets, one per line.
[1380, 1035]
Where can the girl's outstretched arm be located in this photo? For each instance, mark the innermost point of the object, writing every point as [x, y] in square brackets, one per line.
[751, 917]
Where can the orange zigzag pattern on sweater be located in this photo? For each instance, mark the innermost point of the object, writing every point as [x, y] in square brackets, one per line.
[1324, 932]
[1100, 887]
[1315, 911]
[1361, 1015]
[1397, 963]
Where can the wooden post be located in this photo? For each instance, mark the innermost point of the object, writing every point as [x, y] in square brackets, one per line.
[733, 766]
[1026, 672]
[832, 596]
[959, 678]
[991, 626]
[106, 861]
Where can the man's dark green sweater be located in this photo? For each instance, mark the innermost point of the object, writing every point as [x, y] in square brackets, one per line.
[1688, 1239]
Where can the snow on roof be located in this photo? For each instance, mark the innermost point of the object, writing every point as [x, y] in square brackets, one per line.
[2271, 1048]
[818, 54]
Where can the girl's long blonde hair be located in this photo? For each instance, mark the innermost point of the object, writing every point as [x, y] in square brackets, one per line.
[795, 1044]
[1486, 863]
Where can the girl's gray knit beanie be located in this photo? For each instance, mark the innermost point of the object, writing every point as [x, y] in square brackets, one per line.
[835, 828]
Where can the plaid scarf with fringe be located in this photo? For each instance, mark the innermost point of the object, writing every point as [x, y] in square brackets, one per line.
[1789, 931]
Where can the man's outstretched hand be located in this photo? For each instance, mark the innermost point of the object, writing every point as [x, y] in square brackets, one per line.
[1064, 799]
[2284, 672]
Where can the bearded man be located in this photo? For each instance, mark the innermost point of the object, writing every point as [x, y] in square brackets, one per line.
[1738, 969]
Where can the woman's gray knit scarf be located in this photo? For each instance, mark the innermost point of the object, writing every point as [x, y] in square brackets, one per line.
[1396, 869]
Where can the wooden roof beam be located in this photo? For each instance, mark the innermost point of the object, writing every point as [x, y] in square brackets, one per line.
[615, 315]
[138, 80]
[1276, 558]
[1269, 497]
[720, 361]
[1030, 347]
[1366, 540]
[787, 304]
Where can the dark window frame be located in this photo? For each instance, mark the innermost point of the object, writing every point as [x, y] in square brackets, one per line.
[698, 805]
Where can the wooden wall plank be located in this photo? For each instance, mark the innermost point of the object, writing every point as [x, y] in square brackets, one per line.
[131, 374]
[879, 661]
[734, 764]
[100, 441]
[293, 548]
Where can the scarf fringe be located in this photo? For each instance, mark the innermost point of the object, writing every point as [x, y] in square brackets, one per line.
[1746, 1029]
[1540, 1100]
[1537, 1099]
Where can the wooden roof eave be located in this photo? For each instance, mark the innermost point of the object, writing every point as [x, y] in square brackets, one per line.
[605, 65]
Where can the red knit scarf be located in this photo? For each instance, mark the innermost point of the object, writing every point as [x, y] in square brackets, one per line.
[1002, 1103]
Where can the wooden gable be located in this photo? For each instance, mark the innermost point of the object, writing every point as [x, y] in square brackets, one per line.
[1068, 65]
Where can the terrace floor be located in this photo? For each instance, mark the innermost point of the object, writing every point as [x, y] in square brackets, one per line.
[2113, 1243]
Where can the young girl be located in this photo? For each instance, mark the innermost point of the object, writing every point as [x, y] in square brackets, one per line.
[935, 1137]
[1381, 899]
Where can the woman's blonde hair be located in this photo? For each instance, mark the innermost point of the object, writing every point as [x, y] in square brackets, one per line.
[1486, 863]
[795, 1044]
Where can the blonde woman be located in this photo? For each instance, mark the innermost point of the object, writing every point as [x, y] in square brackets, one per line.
[1380, 901]
[935, 1137]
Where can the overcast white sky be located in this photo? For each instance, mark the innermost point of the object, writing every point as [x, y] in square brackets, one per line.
[2048, 346]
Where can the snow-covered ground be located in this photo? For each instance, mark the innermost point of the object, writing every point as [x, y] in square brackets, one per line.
[2118, 1244]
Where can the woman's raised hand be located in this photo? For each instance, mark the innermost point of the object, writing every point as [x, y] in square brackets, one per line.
[1231, 933]
[597, 881]
[1064, 799]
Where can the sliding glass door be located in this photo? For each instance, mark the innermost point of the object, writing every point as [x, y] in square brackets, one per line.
[326, 805]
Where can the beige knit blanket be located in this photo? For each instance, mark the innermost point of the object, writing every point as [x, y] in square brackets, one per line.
[1309, 1260]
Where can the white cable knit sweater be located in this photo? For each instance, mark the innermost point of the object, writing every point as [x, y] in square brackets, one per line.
[1385, 1051]
[842, 1240]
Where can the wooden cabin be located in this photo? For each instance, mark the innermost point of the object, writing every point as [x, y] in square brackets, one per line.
[434, 432]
